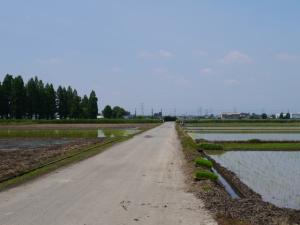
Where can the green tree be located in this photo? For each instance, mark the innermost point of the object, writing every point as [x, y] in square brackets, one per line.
[264, 116]
[288, 116]
[93, 106]
[281, 116]
[36, 99]
[75, 110]
[84, 105]
[6, 92]
[62, 102]
[18, 98]
[1, 101]
[31, 98]
[50, 101]
[107, 112]
[118, 112]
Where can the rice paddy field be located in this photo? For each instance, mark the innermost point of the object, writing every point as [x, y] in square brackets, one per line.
[265, 156]
[24, 147]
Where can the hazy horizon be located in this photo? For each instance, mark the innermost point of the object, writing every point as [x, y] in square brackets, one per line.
[183, 55]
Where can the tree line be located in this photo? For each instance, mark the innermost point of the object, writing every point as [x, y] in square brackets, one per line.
[116, 112]
[34, 99]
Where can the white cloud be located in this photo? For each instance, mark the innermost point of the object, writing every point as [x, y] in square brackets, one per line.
[286, 57]
[235, 57]
[160, 54]
[232, 82]
[206, 71]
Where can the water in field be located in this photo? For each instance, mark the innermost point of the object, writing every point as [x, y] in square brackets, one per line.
[246, 136]
[67, 133]
[39, 139]
[102, 133]
[10, 144]
[274, 175]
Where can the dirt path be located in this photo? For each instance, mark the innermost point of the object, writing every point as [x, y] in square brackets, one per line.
[136, 182]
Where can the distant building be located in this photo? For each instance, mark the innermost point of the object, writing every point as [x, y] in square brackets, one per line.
[278, 115]
[234, 116]
[295, 115]
[100, 116]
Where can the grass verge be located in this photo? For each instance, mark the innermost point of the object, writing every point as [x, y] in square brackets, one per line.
[267, 146]
[203, 175]
[210, 146]
[203, 162]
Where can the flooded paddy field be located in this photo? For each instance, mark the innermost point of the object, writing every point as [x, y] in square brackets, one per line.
[75, 126]
[264, 156]
[15, 144]
[25, 147]
[22, 154]
[274, 175]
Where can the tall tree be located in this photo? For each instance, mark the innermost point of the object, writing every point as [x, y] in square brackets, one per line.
[41, 100]
[84, 105]
[75, 110]
[6, 91]
[1, 101]
[32, 98]
[62, 102]
[50, 101]
[107, 112]
[93, 106]
[18, 98]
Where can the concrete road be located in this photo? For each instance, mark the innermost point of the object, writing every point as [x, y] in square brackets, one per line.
[139, 181]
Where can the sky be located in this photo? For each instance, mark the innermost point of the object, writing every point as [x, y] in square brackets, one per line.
[184, 57]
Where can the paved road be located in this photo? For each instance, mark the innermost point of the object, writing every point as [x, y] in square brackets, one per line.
[139, 181]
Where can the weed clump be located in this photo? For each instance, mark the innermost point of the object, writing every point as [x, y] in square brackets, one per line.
[203, 162]
[210, 146]
[254, 141]
[205, 175]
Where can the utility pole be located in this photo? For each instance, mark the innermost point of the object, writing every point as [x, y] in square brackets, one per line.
[142, 109]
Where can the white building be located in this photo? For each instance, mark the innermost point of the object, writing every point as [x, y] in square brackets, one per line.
[295, 115]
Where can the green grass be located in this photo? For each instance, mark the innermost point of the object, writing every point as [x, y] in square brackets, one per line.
[203, 162]
[271, 146]
[210, 146]
[205, 175]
